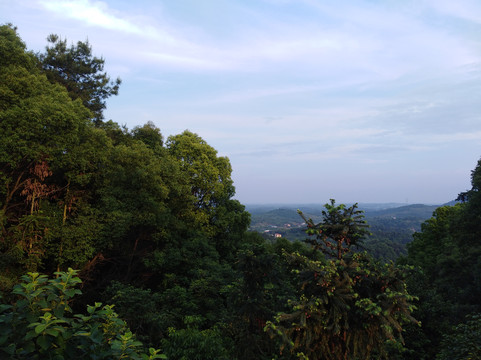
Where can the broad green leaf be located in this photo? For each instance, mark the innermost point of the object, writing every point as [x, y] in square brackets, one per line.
[44, 342]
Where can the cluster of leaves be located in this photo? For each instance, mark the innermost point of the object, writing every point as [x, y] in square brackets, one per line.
[349, 306]
[80, 72]
[263, 287]
[464, 340]
[193, 343]
[42, 325]
[341, 227]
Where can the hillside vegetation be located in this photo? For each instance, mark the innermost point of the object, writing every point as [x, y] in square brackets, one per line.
[390, 228]
[119, 243]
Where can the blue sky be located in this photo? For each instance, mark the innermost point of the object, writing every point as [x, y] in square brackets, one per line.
[367, 101]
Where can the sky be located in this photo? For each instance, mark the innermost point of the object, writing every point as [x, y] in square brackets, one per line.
[362, 101]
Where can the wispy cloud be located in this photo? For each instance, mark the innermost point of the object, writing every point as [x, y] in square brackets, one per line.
[380, 41]
[453, 137]
[95, 13]
[467, 10]
[290, 84]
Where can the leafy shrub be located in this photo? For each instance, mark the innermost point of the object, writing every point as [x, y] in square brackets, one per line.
[464, 343]
[195, 344]
[41, 324]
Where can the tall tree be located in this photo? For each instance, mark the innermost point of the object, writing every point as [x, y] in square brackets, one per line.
[209, 175]
[341, 227]
[80, 72]
[349, 306]
[13, 49]
[150, 135]
[448, 253]
[49, 155]
[209, 178]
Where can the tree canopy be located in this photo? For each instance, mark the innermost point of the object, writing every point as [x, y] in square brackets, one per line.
[349, 305]
[447, 253]
[152, 225]
[81, 73]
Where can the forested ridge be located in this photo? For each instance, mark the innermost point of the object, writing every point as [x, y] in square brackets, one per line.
[390, 229]
[119, 243]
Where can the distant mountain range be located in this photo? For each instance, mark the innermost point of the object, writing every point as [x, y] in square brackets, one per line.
[391, 224]
[279, 215]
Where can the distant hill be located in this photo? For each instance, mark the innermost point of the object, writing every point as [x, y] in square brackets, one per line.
[451, 203]
[269, 215]
[277, 218]
[391, 225]
[315, 208]
[408, 211]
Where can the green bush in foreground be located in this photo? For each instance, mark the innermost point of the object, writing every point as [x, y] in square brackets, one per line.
[464, 341]
[350, 306]
[41, 325]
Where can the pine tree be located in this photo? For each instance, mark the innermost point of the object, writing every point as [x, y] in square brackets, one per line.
[350, 306]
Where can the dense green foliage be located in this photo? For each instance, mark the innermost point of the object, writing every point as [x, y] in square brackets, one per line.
[152, 226]
[463, 342]
[128, 210]
[41, 324]
[349, 306]
[80, 72]
[447, 253]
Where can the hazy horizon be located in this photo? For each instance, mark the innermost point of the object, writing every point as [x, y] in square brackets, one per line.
[310, 100]
[321, 204]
